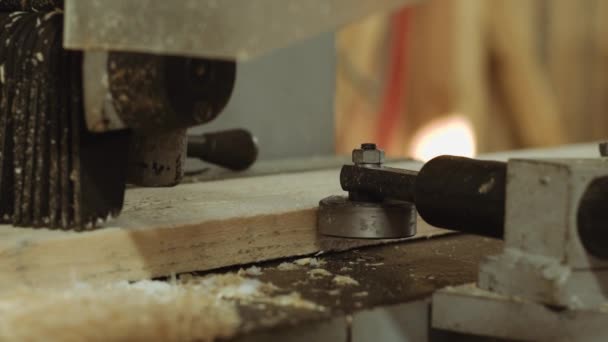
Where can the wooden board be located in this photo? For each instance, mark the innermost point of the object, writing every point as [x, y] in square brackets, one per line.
[199, 226]
[190, 227]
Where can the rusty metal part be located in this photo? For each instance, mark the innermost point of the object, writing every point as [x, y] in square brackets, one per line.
[208, 28]
[338, 216]
[235, 149]
[100, 115]
[157, 160]
[155, 94]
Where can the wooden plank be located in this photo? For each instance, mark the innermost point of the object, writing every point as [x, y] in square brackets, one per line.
[199, 226]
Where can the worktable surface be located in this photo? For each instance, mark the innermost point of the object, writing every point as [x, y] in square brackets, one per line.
[388, 275]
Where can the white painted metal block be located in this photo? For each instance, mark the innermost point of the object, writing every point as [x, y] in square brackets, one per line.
[471, 310]
[544, 259]
[543, 198]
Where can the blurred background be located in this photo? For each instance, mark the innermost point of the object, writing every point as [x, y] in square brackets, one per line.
[439, 77]
[474, 76]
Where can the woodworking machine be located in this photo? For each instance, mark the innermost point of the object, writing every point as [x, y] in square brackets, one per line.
[95, 95]
[98, 94]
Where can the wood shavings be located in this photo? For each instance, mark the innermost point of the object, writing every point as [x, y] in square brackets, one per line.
[375, 264]
[191, 308]
[144, 311]
[295, 300]
[346, 269]
[251, 271]
[287, 266]
[334, 292]
[342, 280]
[318, 273]
[300, 283]
[361, 294]
[312, 262]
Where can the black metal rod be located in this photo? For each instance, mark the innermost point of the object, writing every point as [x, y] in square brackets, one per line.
[379, 182]
[463, 194]
[235, 149]
[450, 192]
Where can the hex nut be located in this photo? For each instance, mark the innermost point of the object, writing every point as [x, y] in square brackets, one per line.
[361, 156]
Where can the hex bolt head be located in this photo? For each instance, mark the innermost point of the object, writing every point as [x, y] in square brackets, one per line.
[368, 154]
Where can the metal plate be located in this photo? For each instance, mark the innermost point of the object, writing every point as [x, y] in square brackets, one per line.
[208, 28]
[338, 216]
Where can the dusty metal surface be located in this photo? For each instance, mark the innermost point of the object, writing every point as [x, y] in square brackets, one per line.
[338, 216]
[208, 28]
[514, 318]
[100, 114]
[158, 159]
[376, 276]
[153, 94]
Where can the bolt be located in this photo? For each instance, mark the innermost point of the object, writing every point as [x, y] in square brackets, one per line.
[368, 155]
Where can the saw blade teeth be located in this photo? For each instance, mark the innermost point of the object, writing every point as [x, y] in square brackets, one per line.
[32, 114]
[47, 47]
[53, 140]
[64, 148]
[53, 171]
[30, 5]
[102, 159]
[75, 106]
[6, 181]
[19, 109]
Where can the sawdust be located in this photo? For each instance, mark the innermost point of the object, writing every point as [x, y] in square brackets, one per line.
[342, 280]
[191, 308]
[312, 262]
[254, 291]
[251, 271]
[318, 273]
[287, 266]
[346, 269]
[361, 294]
[375, 264]
[144, 311]
[303, 262]
[334, 292]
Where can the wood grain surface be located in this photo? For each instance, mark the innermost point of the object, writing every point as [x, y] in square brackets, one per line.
[191, 227]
